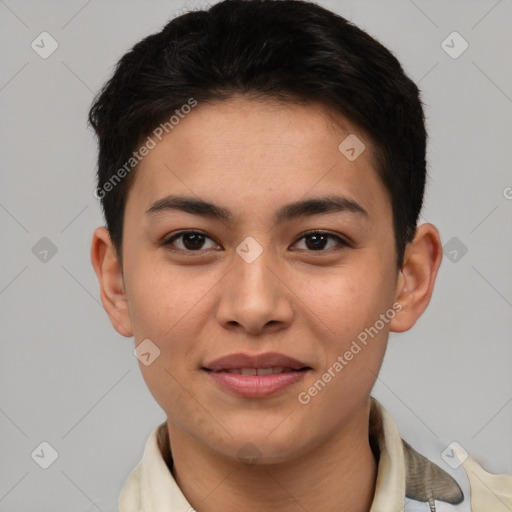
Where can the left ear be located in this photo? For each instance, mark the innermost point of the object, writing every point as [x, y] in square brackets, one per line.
[417, 276]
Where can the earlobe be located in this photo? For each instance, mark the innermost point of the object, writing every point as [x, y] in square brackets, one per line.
[109, 273]
[415, 283]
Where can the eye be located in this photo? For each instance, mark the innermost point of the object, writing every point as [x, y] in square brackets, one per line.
[194, 241]
[191, 241]
[317, 240]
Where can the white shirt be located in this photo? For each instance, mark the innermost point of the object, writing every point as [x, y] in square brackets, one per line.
[406, 480]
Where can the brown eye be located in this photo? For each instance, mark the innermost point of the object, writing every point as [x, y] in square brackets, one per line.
[318, 240]
[190, 241]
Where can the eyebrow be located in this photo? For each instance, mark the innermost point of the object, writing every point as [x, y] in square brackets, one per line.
[303, 208]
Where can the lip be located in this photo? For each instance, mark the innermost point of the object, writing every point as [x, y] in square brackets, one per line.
[265, 360]
[256, 386]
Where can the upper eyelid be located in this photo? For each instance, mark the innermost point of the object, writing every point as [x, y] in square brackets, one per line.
[175, 236]
[343, 240]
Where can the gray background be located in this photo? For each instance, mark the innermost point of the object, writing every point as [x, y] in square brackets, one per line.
[66, 377]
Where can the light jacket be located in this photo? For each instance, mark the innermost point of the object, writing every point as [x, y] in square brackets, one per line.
[406, 480]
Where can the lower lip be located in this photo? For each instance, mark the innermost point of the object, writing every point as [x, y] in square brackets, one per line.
[255, 386]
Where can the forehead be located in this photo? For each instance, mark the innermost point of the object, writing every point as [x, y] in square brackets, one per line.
[252, 154]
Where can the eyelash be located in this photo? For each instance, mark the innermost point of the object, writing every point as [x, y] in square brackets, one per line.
[342, 244]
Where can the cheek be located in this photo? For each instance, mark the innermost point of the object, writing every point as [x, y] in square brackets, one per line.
[163, 309]
[343, 310]
[345, 302]
[174, 394]
[164, 299]
[169, 307]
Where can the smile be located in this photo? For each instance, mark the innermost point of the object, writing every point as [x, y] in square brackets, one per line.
[260, 371]
[256, 382]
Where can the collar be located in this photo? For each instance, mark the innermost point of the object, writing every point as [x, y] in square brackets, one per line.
[151, 487]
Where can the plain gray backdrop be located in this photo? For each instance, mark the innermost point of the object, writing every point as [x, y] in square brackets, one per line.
[68, 379]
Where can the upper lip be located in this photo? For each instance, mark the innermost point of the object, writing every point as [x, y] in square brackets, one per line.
[265, 360]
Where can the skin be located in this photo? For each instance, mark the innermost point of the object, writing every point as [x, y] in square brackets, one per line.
[252, 158]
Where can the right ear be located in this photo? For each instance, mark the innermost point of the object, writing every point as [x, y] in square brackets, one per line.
[110, 278]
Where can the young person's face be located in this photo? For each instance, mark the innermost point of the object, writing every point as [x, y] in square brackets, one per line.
[198, 299]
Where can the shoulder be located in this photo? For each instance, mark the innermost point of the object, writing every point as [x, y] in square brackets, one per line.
[423, 473]
[130, 497]
[456, 483]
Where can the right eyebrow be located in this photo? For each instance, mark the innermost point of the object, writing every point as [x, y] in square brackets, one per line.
[302, 208]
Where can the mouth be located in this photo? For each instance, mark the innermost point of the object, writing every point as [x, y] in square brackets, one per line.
[247, 362]
[275, 370]
[255, 376]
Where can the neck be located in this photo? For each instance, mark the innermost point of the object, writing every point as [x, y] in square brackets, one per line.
[337, 476]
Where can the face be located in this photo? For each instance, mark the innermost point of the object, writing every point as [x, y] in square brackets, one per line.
[304, 283]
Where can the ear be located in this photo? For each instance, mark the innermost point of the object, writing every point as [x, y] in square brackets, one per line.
[110, 278]
[417, 276]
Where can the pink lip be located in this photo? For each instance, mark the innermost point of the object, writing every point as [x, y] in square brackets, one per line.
[265, 360]
[255, 386]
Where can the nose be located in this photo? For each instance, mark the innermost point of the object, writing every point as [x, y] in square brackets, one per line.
[255, 298]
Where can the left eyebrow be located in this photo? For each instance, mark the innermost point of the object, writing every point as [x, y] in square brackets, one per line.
[319, 205]
[190, 205]
[307, 207]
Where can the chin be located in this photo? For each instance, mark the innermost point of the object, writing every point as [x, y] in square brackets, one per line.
[258, 449]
